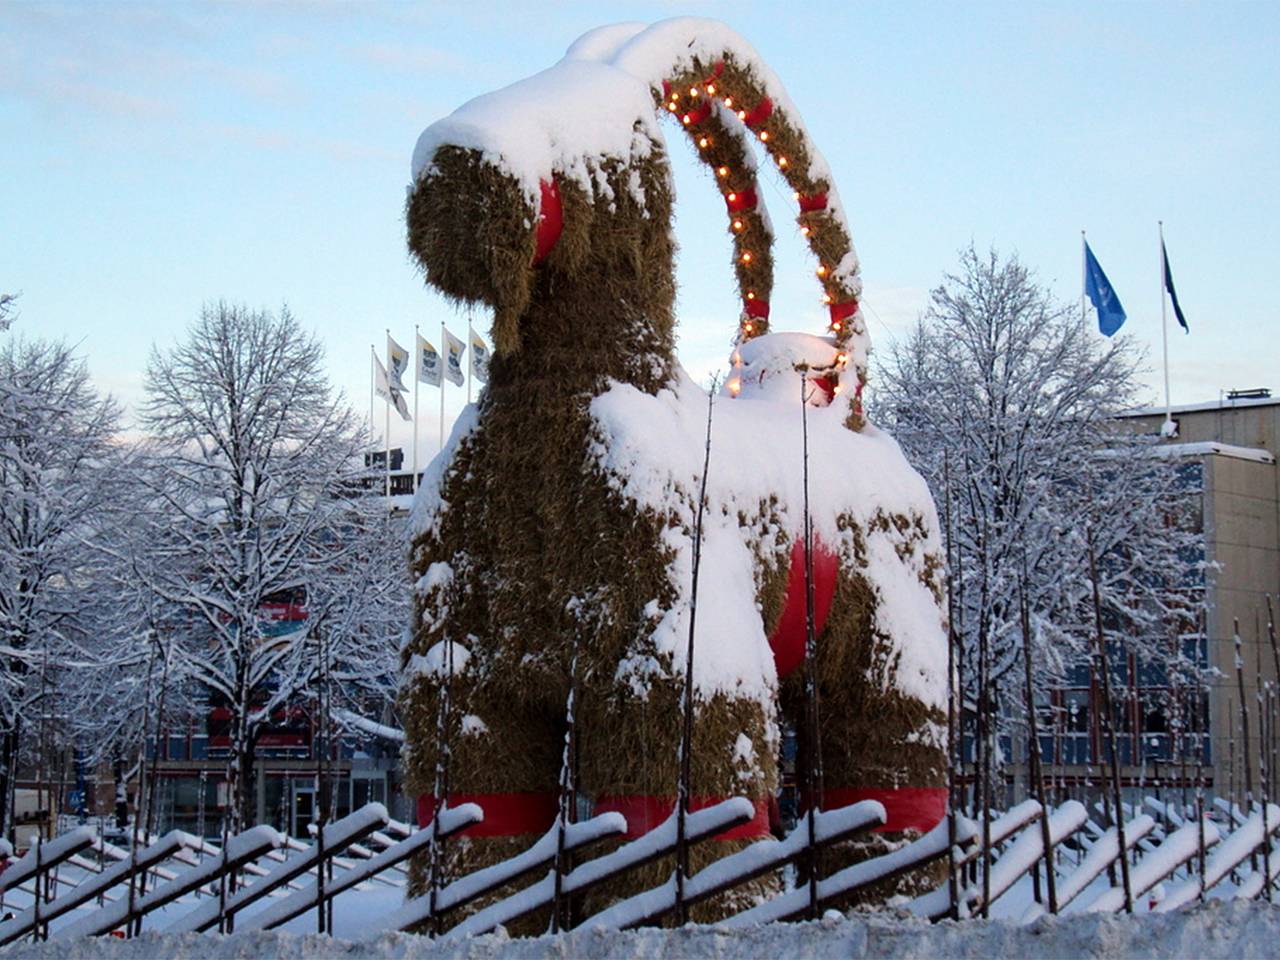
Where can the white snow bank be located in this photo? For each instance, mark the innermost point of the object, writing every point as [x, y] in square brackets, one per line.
[1219, 929]
[652, 449]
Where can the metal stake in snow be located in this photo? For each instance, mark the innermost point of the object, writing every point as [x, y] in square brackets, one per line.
[1244, 724]
[813, 766]
[440, 791]
[559, 909]
[953, 876]
[686, 740]
[1109, 725]
[1033, 752]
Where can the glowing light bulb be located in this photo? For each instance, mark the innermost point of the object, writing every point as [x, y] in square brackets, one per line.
[732, 197]
[795, 195]
[693, 91]
[742, 114]
[728, 101]
[764, 135]
[841, 359]
[782, 161]
[751, 295]
[826, 298]
[672, 107]
[737, 224]
[723, 171]
[704, 143]
[735, 386]
[746, 257]
[822, 271]
[711, 89]
[837, 389]
[686, 119]
[805, 231]
[748, 327]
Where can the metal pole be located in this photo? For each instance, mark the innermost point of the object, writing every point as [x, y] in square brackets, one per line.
[444, 347]
[686, 741]
[953, 879]
[1033, 755]
[417, 368]
[1110, 728]
[813, 768]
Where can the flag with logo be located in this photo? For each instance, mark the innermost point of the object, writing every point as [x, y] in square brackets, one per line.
[1111, 315]
[397, 364]
[453, 349]
[479, 356]
[381, 386]
[429, 366]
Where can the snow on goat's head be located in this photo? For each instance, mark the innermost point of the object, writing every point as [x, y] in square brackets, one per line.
[535, 177]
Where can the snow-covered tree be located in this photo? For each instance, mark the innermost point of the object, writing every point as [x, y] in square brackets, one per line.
[60, 471]
[1006, 401]
[259, 506]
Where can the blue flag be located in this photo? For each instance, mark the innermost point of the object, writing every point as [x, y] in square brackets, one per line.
[1168, 285]
[1111, 315]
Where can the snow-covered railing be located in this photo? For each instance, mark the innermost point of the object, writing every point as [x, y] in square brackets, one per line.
[657, 843]
[366, 844]
[337, 835]
[830, 826]
[45, 856]
[794, 903]
[1104, 852]
[241, 849]
[121, 872]
[308, 897]
[1233, 851]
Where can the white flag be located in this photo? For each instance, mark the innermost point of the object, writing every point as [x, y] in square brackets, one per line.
[380, 384]
[397, 364]
[382, 387]
[402, 408]
[454, 349]
[479, 356]
[428, 363]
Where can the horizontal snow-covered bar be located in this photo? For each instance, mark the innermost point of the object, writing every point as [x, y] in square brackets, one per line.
[937, 903]
[658, 842]
[795, 902]
[49, 854]
[337, 835]
[831, 826]
[242, 848]
[1104, 851]
[452, 819]
[120, 872]
[473, 885]
[1233, 850]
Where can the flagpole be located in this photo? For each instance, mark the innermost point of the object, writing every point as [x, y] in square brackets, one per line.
[1084, 276]
[417, 369]
[445, 348]
[387, 423]
[1164, 333]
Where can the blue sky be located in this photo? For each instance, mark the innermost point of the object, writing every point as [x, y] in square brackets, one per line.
[159, 156]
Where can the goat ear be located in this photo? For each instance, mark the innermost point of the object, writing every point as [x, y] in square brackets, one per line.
[472, 230]
[569, 254]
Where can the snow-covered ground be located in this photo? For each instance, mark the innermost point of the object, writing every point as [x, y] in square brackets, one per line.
[1218, 929]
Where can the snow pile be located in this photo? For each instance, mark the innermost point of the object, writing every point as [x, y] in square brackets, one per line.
[652, 447]
[1219, 929]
